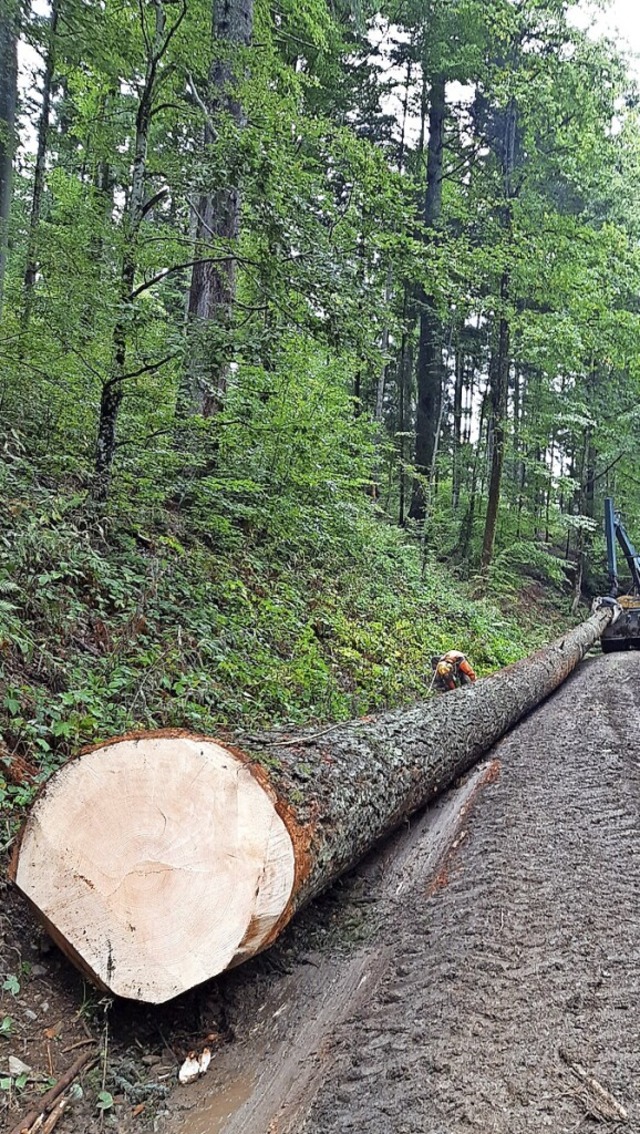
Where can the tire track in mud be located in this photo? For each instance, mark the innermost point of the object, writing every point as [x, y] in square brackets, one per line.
[266, 1082]
[532, 949]
[508, 936]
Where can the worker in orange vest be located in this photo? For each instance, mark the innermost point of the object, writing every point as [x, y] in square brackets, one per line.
[452, 670]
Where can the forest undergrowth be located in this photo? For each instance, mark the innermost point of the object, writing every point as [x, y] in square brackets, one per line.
[124, 620]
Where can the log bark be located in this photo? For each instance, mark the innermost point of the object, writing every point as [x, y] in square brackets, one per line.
[158, 860]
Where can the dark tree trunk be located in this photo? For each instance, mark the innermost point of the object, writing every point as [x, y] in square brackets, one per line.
[547, 510]
[429, 366]
[501, 358]
[113, 391]
[466, 527]
[586, 496]
[31, 269]
[499, 401]
[405, 367]
[384, 349]
[457, 428]
[213, 285]
[8, 105]
[519, 452]
[468, 414]
[120, 835]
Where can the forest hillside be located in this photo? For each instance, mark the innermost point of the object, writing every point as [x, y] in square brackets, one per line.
[320, 349]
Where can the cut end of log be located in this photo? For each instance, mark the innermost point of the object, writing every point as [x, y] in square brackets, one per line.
[157, 862]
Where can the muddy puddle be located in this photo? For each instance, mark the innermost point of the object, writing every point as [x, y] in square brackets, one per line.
[212, 1114]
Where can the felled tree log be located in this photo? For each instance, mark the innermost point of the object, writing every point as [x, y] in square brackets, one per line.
[158, 860]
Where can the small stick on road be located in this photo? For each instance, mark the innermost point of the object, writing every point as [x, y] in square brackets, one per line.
[603, 1101]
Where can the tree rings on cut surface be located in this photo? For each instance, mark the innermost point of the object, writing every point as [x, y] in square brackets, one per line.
[158, 862]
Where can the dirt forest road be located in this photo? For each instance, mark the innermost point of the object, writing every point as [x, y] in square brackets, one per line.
[466, 974]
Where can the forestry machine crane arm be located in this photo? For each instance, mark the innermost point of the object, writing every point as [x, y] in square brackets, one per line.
[624, 633]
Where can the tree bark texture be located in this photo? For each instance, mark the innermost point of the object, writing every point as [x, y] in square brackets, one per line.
[213, 284]
[429, 366]
[326, 796]
[8, 106]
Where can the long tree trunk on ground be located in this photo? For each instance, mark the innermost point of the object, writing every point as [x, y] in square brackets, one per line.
[213, 283]
[429, 367]
[31, 269]
[159, 860]
[8, 105]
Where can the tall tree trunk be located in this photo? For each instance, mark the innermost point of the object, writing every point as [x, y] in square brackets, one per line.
[380, 392]
[517, 412]
[468, 412]
[8, 105]
[519, 449]
[466, 527]
[429, 367]
[103, 197]
[457, 428]
[501, 357]
[549, 490]
[405, 369]
[384, 349]
[113, 389]
[499, 375]
[120, 836]
[31, 269]
[586, 494]
[213, 285]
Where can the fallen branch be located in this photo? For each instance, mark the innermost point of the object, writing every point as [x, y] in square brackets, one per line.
[602, 1100]
[35, 1119]
[54, 1117]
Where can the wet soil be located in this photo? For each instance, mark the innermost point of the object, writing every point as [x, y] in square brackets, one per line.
[528, 960]
[453, 982]
[495, 975]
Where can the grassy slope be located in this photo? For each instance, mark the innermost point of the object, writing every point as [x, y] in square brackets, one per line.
[111, 625]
